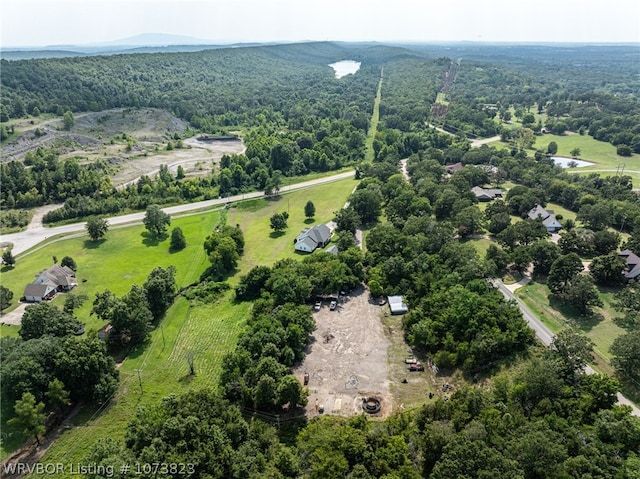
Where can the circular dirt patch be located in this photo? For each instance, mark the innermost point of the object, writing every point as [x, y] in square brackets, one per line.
[371, 405]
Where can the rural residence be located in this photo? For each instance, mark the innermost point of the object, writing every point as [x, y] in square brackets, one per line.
[548, 218]
[312, 238]
[49, 282]
[486, 194]
[632, 270]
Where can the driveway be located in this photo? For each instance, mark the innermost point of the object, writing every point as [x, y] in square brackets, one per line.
[15, 316]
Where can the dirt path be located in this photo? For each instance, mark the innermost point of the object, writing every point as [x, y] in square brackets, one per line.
[30, 453]
[483, 141]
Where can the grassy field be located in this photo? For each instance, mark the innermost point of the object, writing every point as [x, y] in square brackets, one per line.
[603, 154]
[599, 152]
[209, 331]
[600, 328]
[480, 244]
[262, 245]
[206, 331]
[124, 258]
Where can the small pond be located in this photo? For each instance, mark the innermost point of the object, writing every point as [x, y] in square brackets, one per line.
[345, 67]
[570, 162]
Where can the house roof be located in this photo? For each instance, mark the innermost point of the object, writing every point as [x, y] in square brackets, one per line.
[551, 222]
[319, 234]
[396, 304]
[633, 264]
[453, 167]
[486, 193]
[37, 290]
[333, 249]
[308, 241]
[59, 275]
[538, 212]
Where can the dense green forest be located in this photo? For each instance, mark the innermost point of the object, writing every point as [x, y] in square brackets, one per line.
[295, 116]
[522, 411]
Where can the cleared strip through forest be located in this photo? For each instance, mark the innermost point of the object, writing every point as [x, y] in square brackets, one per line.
[375, 117]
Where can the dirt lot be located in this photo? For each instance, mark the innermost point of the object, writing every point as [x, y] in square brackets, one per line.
[98, 136]
[196, 159]
[358, 351]
[347, 359]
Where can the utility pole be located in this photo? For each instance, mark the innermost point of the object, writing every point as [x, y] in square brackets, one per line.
[139, 379]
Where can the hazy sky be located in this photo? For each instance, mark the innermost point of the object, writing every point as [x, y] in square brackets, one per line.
[50, 22]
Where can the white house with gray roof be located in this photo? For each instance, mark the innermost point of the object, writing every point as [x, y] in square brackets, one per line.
[312, 238]
[49, 282]
[548, 218]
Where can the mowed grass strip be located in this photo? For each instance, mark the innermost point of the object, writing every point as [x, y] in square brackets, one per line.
[209, 331]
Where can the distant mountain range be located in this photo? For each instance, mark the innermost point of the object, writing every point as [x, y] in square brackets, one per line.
[143, 43]
[169, 43]
[157, 40]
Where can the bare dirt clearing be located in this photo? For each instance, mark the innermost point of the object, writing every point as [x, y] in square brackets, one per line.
[347, 359]
[198, 158]
[104, 136]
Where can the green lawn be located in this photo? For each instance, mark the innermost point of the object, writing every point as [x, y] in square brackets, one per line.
[124, 258]
[599, 152]
[601, 328]
[561, 210]
[207, 331]
[263, 247]
[480, 244]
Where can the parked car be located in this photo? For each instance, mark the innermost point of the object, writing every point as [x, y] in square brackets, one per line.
[410, 360]
[333, 305]
[416, 367]
[317, 306]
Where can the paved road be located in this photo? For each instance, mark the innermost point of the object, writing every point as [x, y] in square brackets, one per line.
[37, 233]
[546, 337]
[542, 332]
[483, 141]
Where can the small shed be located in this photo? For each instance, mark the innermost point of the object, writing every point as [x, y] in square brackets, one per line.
[396, 305]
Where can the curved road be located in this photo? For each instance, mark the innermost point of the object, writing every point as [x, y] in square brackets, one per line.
[36, 233]
[546, 336]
